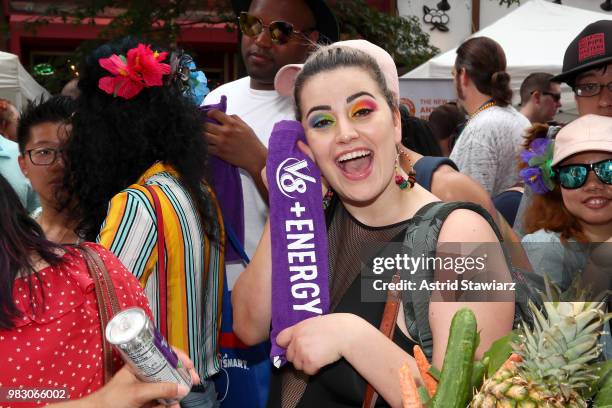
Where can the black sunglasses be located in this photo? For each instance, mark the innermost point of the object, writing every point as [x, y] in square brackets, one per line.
[574, 176]
[280, 31]
[556, 96]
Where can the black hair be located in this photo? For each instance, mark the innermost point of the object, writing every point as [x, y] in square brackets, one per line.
[485, 62]
[57, 109]
[329, 58]
[445, 120]
[21, 240]
[417, 136]
[536, 81]
[115, 140]
[603, 67]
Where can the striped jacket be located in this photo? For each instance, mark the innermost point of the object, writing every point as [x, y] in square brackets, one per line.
[130, 232]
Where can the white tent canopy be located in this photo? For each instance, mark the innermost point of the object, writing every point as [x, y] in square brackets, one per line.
[16, 84]
[534, 38]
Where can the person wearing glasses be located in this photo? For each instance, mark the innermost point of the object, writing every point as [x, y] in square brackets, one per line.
[540, 97]
[570, 214]
[586, 69]
[274, 33]
[40, 135]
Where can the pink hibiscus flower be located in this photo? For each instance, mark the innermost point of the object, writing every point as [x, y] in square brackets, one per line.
[142, 68]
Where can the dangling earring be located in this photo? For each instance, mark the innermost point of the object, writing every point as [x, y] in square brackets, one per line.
[400, 180]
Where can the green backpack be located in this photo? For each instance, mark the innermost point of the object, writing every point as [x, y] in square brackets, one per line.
[422, 238]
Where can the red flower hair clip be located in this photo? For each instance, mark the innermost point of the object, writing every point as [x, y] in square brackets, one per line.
[142, 68]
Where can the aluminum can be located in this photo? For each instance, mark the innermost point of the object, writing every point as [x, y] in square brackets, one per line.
[141, 345]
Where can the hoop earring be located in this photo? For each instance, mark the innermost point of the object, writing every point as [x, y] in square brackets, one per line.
[401, 181]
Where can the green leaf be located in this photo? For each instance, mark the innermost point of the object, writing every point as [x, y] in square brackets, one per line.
[435, 373]
[499, 352]
[603, 385]
[423, 395]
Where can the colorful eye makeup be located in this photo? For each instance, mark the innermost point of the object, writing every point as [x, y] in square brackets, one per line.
[321, 120]
[363, 105]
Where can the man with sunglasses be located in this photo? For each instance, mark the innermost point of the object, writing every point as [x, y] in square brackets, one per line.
[540, 97]
[587, 69]
[274, 33]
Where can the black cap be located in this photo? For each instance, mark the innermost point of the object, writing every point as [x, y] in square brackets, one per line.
[327, 25]
[592, 47]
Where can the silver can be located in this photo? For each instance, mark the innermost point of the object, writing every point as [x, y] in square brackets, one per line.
[144, 348]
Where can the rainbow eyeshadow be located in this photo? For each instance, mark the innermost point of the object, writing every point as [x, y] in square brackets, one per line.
[363, 104]
[320, 120]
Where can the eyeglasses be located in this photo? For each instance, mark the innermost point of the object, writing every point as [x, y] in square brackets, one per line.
[44, 156]
[591, 89]
[280, 31]
[574, 176]
[556, 96]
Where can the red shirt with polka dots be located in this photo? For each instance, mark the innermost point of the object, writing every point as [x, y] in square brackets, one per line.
[61, 347]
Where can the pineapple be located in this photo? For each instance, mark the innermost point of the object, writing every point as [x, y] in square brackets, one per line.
[555, 356]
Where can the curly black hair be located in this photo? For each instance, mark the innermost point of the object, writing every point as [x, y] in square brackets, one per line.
[114, 141]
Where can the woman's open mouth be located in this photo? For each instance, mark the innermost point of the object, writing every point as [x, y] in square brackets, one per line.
[356, 164]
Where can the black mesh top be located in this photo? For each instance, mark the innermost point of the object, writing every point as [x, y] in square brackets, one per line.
[338, 384]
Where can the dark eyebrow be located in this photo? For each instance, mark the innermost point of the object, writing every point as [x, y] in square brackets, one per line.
[357, 95]
[320, 107]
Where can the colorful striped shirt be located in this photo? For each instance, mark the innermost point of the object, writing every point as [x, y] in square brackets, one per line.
[193, 306]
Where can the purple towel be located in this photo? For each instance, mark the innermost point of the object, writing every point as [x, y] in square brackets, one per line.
[299, 248]
[228, 187]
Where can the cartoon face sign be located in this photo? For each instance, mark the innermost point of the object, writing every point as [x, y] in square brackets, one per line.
[437, 18]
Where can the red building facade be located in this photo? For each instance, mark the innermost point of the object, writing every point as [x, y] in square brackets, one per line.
[215, 49]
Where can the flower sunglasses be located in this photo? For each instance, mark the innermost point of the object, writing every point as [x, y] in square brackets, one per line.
[573, 176]
[280, 31]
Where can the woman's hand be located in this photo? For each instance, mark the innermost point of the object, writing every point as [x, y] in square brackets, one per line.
[125, 390]
[316, 342]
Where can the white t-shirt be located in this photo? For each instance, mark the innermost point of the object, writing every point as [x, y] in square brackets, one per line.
[260, 110]
[488, 148]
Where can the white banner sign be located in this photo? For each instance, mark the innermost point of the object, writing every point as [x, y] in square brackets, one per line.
[422, 96]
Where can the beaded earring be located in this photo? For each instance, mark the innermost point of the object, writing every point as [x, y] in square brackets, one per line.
[400, 180]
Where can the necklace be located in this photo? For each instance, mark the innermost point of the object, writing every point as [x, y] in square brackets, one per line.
[490, 103]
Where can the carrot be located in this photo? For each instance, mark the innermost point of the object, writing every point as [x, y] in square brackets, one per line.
[514, 358]
[410, 394]
[428, 380]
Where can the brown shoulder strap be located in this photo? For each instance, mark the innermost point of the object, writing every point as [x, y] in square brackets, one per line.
[387, 327]
[108, 305]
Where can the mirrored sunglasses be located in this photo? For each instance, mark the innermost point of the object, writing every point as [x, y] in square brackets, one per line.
[574, 176]
[280, 31]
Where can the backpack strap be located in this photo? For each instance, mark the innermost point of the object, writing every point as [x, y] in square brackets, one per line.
[421, 239]
[426, 166]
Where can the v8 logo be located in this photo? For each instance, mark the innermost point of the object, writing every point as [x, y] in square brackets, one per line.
[289, 176]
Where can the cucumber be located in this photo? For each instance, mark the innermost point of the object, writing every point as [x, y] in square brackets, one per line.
[454, 387]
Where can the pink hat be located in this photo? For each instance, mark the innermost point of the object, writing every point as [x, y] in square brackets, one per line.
[285, 78]
[587, 133]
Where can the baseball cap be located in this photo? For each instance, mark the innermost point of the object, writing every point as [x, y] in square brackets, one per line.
[327, 25]
[587, 133]
[285, 78]
[592, 47]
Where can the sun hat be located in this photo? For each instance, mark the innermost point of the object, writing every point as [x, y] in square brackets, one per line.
[285, 78]
[587, 133]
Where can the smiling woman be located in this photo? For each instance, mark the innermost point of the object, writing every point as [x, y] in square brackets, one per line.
[353, 130]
